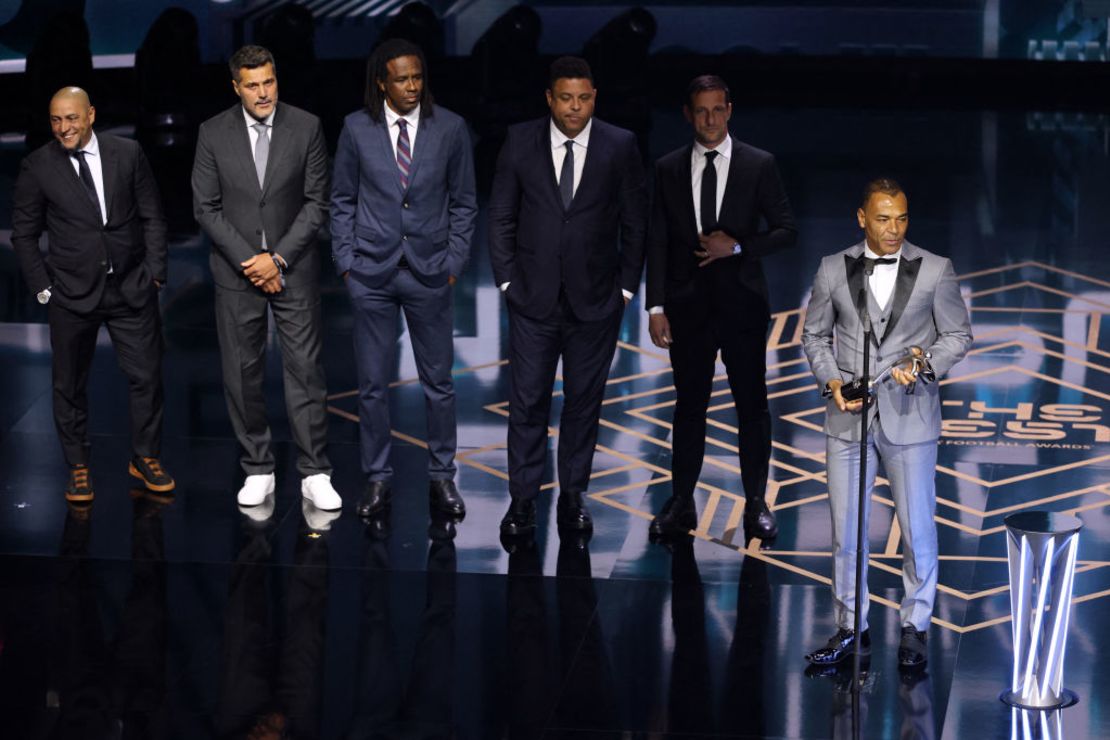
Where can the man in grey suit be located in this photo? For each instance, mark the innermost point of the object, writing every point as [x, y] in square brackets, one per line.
[402, 215]
[912, 299]
[260, 185]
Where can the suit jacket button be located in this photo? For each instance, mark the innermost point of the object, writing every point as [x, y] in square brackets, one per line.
[262, 204]
[405, 238]
[405, 204]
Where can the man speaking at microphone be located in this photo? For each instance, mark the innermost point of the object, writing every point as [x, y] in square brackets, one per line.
[912, 300]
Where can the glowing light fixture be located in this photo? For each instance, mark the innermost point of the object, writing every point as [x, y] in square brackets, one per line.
[1042, 550]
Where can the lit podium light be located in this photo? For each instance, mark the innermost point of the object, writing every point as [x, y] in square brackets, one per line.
[1036, 724]
[1042, 550]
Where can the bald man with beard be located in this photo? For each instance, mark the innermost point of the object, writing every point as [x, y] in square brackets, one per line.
[95, 198]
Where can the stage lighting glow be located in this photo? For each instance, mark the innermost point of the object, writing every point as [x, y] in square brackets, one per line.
[1042, 549]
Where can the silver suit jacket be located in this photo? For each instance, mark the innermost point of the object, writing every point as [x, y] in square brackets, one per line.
[925, 309]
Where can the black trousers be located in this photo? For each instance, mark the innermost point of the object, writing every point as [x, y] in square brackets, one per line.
[136, 335]
[535, 347]
[698, 334]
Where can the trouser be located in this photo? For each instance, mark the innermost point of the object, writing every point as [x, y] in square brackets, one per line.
[136, 335]
[535, 347]
[911, 470]
[429, 317]
[242, 325]
[693, 360]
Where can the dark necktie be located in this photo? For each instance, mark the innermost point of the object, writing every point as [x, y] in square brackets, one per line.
[566, 176]
[404, 152]
[709, 195]
[87, 181]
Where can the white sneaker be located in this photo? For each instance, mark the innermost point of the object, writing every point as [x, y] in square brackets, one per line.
[255, 489]
[316, 519]
[317, 489]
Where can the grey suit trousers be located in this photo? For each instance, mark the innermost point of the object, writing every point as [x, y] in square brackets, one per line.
[242, 324]
[911, 470]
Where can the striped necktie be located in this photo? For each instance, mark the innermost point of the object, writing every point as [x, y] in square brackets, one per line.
[404, 152]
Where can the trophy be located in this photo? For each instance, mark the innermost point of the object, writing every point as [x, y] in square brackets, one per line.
[917, 364]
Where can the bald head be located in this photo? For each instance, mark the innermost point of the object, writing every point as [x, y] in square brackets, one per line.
[75, 94]
[72, 117]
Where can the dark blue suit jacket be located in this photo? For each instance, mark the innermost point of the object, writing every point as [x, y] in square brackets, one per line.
[374, 221]
[594, 248]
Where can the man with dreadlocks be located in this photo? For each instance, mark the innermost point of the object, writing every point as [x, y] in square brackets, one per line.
[402, 215]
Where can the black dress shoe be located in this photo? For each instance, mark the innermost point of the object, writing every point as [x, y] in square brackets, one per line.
[375, 499]
[444, 497]
[520, 519]
[759, 520]
[913, 648]
[678, 516]
[841, 673]
[571, 513]
[840, 646]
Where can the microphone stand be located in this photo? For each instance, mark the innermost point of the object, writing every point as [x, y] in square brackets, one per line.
[865, 321]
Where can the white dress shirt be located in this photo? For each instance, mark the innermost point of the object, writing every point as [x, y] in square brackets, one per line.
[96, 167]
[881, 282]
[412, 118]
[697, 168]
[559, 151]
[251, 120]
[558, 154]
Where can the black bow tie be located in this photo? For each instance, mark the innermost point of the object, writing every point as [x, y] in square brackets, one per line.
[883, 261]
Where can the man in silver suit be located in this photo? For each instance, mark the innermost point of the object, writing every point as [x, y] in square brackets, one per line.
[913, 300]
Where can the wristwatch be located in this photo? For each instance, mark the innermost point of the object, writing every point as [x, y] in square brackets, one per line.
[43, 296]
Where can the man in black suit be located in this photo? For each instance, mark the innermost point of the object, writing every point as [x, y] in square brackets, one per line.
[260, 189]
[96, 198]
[719, 208]
[567, 210]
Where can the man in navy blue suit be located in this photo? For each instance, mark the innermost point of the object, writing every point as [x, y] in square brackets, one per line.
[568, 214]
[402, 216]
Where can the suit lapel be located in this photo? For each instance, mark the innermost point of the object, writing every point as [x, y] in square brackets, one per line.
[732, 178]
[543, 141]
[594, 153]
[686, 190]
[903, 288]
[240, 142]
[853, 265]
[109, 172]
[279, 138]
[424, 133]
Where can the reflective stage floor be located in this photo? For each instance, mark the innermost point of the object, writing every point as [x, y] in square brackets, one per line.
[185, 618]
